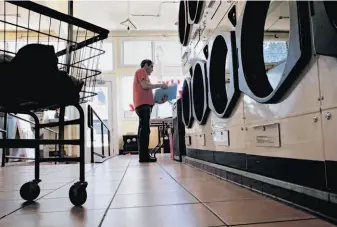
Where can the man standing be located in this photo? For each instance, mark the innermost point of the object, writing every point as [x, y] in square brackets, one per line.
[143, 101]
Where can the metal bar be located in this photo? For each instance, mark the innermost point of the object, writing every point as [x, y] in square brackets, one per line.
[67, 159]
[55, 124]
[93, 111]
[23, 158]
[92, 144]
[56, 144]
[103, 159]
[70, 34]
[82, 147]
[158, 134]
[109, 150]
[89, 117]
[61, 129]
[91, 133]
[50, 130]
[84, 43]
[102, 138]
[95, 153]
[31, 143]
[33, 30]
[4, 135]
[31, 122]
[90, 125]
[30, 5]
[73, 47]
[163, 126]
[37, 147]
[20, 118]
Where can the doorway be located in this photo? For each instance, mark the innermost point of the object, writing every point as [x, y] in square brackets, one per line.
[103, 105]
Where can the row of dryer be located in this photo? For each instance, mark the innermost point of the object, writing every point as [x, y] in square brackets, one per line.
[313, 31]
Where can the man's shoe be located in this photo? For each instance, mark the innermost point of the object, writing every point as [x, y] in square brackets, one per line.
[149, 159]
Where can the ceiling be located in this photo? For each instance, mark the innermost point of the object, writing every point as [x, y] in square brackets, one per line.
[278, 17]
[145, 15]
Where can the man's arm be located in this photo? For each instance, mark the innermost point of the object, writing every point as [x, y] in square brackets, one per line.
[147, 85]
[143, 77]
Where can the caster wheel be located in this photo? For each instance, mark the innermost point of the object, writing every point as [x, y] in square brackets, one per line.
[77, 195]
[30, 191]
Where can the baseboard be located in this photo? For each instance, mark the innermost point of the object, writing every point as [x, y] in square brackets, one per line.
[317, 202]
[308, 173]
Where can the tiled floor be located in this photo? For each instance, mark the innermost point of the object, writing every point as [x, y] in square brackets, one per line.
[122, 192]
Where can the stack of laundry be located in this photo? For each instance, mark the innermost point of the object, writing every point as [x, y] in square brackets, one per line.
[32, 77]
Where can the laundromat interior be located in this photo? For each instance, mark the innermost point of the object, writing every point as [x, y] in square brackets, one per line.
[248, 140]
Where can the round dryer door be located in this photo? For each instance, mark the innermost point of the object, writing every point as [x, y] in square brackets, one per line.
[223, 91]
[200, 92]
[260, 47]
[187, 104]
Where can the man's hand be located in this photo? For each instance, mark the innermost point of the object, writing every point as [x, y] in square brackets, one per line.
[147, 85]
[163, 86]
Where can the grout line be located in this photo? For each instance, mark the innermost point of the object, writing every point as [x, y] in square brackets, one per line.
[25, 204]
[205, 204]
[193, 195]
[233, 200]
[58, 211]
[281, 221]
[270, 196]
[158, 205]
[113, 197]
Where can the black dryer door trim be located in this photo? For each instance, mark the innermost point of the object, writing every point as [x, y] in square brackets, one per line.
[253, 80]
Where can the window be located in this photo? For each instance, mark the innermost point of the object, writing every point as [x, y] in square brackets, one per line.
[127, 96]
[136, 51]
[168, 52]
[161, 111]
[15, 46]
[275, 51]
[167, 57]
[164, 110]
[106, 61]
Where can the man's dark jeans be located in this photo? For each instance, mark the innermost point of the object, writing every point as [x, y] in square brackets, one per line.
[144, 114]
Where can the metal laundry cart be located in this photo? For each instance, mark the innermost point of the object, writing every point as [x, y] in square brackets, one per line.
[77, 46]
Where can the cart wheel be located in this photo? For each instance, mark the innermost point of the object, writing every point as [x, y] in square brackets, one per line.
[30, 191]
[77, 195]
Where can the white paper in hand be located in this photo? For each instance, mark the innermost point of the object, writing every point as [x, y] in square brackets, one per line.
[170, 92]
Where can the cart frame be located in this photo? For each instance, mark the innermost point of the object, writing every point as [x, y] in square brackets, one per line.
[31, 190]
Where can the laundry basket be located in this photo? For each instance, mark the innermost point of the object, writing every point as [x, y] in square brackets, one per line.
[48, 60]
